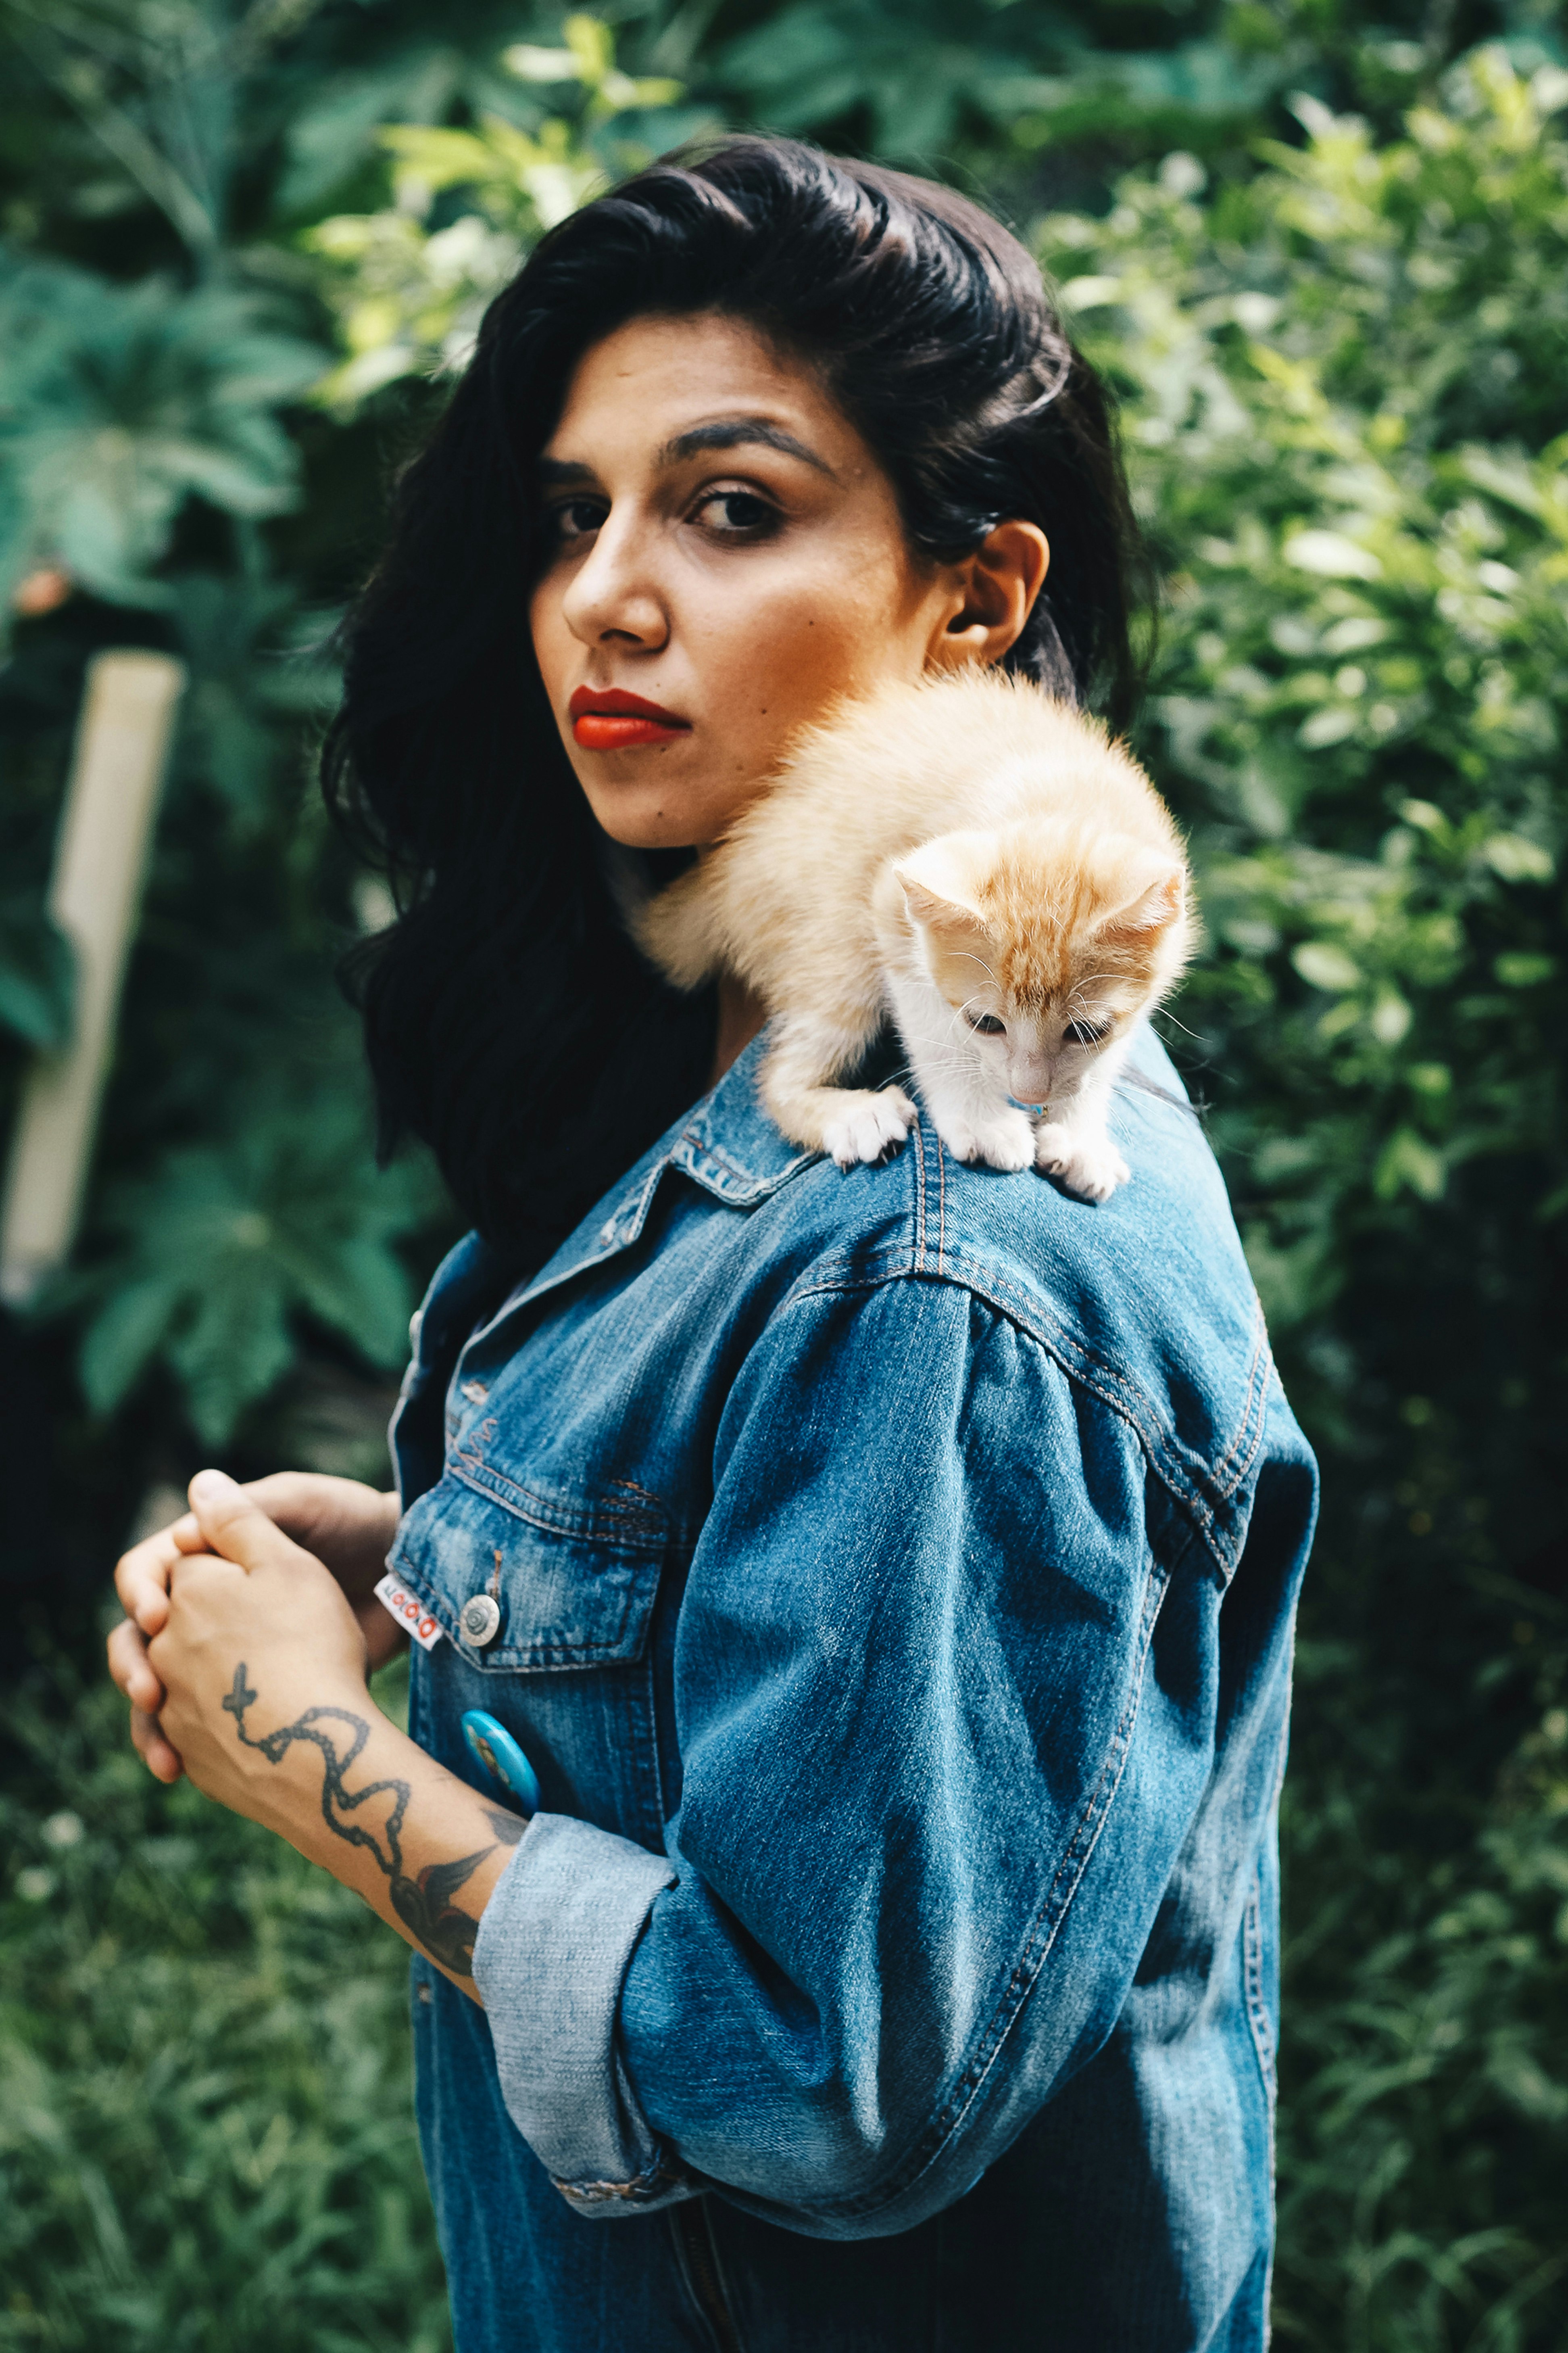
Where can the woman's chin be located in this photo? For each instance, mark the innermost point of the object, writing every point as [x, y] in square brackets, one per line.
[649, 812]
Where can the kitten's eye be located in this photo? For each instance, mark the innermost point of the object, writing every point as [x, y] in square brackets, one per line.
[1084, 1033]
[987, 1024]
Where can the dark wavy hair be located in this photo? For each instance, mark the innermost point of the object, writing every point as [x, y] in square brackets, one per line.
[508, 1020]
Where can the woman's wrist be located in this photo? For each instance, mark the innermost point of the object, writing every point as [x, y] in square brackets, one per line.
[290, 1744]
[352, 1793]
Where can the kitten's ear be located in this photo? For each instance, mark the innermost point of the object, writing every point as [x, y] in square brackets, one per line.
[937, 884]
[938, 914]
[1152, 909]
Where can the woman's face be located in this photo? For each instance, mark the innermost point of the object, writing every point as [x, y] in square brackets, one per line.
[725, 557]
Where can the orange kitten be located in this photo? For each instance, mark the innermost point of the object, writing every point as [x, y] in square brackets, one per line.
[981, 862]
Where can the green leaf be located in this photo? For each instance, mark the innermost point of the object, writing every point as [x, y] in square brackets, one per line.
[236, 1344]
[1332, 556]
[123, 403]
[123, 1336]
[227, 1245]
[1407, 1160]
[1326, 965]
[1516, 858]
[38, 976]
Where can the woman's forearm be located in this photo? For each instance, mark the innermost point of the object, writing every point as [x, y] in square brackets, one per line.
[262, 1667]
[354, 1794]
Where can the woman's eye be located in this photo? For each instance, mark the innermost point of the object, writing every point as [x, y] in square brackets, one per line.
[1084, 1033]
[987, 1024]
[575, 519]
[736, 515]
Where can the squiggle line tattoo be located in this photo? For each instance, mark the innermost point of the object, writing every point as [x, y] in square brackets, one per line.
[424, 1905]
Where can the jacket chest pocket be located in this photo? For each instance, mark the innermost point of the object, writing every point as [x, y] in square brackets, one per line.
[570, 1579]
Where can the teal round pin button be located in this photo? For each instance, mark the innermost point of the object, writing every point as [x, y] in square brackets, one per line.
[501, 1758]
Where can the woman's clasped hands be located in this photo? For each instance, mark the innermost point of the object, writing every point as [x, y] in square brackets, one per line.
[272, 1583]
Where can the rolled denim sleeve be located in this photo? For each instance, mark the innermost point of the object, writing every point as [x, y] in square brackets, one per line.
[945, 1680]
[549, 1961]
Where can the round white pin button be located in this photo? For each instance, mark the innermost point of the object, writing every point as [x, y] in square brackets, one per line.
[478, 1621]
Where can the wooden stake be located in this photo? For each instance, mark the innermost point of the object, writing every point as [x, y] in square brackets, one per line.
[121, 751]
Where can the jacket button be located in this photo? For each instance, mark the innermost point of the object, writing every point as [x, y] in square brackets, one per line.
[478, 1621]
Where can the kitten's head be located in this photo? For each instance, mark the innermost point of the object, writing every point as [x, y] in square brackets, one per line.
[1048, 941]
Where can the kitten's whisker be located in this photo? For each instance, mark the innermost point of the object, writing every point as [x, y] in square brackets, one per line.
[968, 956]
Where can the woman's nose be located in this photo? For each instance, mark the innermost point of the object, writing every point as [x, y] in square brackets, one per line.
[612, 593]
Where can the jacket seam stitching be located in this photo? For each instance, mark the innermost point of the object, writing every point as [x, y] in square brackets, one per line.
[1254, 1415]
[918, 1156]
[624, 1526]
[757, 1187]
[1043, 1930]
[1264, 2046]
[1257, 2007]
[1079, 1364]
[1243, 1425]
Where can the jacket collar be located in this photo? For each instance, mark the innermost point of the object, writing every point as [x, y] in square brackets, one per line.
[729, 1145]
[726, 1144]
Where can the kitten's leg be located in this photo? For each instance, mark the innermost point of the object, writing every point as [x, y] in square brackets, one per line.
[854, 1124]
[969, 1109]
[1074, 1146]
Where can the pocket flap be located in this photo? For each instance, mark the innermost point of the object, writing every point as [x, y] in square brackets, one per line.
[574, 1576]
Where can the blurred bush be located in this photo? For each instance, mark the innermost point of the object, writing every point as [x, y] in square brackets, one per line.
[204, 2128]
[239, 253]
[1342, 380]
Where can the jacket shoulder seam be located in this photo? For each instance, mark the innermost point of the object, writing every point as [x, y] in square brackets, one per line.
[1201, 1493]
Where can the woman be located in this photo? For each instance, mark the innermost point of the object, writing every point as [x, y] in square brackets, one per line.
[890, 1576]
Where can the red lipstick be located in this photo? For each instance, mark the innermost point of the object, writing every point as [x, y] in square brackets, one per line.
[608, 719]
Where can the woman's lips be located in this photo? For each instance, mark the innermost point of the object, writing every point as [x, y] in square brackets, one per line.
[610, 720]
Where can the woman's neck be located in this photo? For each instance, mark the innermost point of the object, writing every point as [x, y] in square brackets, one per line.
[740, 1016]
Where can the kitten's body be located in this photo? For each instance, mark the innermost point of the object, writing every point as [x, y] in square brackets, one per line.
[956, 851]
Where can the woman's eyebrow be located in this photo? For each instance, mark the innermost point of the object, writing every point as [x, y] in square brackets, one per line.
[718, 433]
[735, 433]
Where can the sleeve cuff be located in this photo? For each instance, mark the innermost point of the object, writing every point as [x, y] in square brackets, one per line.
[550, 1959]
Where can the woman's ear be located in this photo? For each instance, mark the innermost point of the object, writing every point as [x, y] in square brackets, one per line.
[993, 593]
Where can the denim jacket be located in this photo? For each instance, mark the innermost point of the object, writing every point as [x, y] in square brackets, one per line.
[896, 1574]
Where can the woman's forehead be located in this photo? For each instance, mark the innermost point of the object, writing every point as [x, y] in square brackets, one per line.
[670, 388]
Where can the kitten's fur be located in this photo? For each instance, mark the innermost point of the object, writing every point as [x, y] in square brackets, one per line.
[955, 850]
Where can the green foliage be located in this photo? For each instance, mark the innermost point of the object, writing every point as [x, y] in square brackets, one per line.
[1424, 2129]
[36, 974]
[1341, 383]
[1335, 299]
[410, 296]
[925, 79]
[205, 2137]
[224, 1242]
[121, 404]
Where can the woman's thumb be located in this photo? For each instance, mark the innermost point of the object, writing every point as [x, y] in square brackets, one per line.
[232, 1525]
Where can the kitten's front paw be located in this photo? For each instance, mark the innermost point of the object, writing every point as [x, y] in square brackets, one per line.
[1005, 1141]
[1089, 1166]
[867, 1125]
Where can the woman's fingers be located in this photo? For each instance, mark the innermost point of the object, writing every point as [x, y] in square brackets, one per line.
[130, 1669]
[141, 1579]
[235, 1527]
[239, 1526]
[147, 1739]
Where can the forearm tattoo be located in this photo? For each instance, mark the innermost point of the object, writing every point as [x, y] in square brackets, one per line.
[424, 1904]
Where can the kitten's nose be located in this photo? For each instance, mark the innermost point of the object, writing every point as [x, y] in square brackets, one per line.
[1029, 1079]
